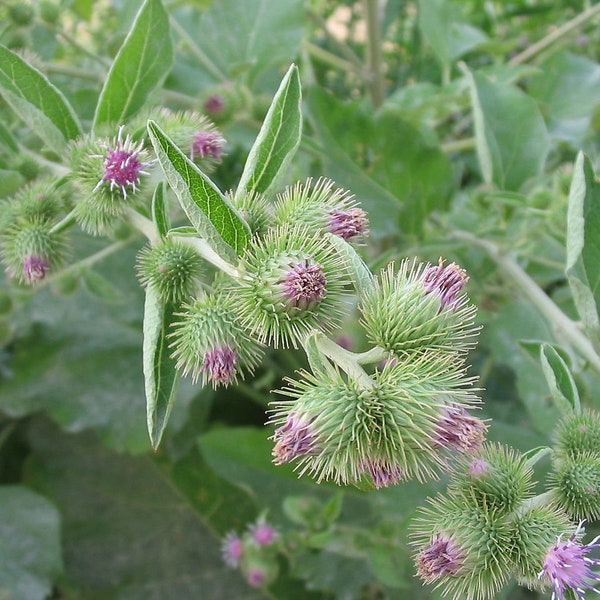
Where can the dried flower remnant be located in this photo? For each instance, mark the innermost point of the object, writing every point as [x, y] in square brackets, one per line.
[293, 439]
[35, 268]
[446, 282]
[442, 558]
[219, 365]
[458, 430]
[348, 222]
[567, 566]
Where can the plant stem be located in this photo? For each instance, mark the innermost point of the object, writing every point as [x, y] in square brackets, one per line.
[555, 35]
[568, 328]
[79, 47]
[329, 58]
[544, 499]
[143, 225]
[207, 253]
[346, 360]
[376, 81]
[55, 167]
[64, 223]
[458, 145]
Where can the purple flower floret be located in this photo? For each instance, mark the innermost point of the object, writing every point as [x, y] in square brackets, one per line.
[478, 467]
[304, 284]
[458, 430]
[214, 103]
[568, 566]
[348, 222]
[294, 438]
[219, 365]
[35, 268]
[263, 534]
[123, 164]
[207, 144]
[383, 473]
[446, 282]
[232, 549]
[443, 557]
[255, 577]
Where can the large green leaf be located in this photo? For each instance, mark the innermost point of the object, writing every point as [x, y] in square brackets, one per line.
[277, 140]
[39, 103]
[441, 26]
[567, 87]
[140, 67]
[209, 212]
[396, 174]
[512, 139]
[129, 532]
[159, 368]
[560, 381]
[242, 40]
[30, 552]
[583, 246]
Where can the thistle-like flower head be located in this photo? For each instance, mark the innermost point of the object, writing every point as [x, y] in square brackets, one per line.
[568, 566]
[124, 162]
[446, 282]
[321, 206]
[232, 549]
[294, 282]
[459, 430]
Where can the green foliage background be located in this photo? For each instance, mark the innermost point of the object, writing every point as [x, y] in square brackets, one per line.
[469, 153]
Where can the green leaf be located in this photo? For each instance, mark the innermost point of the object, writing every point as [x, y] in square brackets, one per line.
[209, 212]
[129, 533]
[30, 551]
[37, 101]
[241, 40]
[140, 67]
[159, 368]
[449, 37]
[510, 133]
[559, 378]
[160, 210]
[277, 139]
[583, 246]
[362, 278]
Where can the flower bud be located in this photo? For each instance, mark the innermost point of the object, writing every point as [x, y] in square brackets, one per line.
[209, 342]
[498, 479]
[171, 268]
[294, 282]
[576, 485]
[259, 571]
[262, 533]
[29, 250]
[321, 206]
[232, 549]
[39, 201]
[578, 433]
[419, 309]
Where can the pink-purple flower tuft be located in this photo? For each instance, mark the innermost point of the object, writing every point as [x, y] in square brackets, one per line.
[219, 365]
[304, 284]
[263, 534]
[207, 144]
[348, 222]
[445, 281]
[442, 558]
[567, 566]
[383, 473]
[458, 430]
[35, 268]
[293, 439]
[232, 549]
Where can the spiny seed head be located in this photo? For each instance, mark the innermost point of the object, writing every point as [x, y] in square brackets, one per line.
[171, 268]
[39, 201]
[576, 484]
[321, 206]
[352, 431]
[404, 314]
[293, 282]
[578, 433]
[208, 342]
[504, 482]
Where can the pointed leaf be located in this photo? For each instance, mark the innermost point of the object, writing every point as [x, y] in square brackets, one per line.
[534, 455]
[277, 140]
[510, 133]
[160, 210]
[37, 101]
[583, 248]
[140, 67]
[159, 368]
[207, 209]
[359, 272]
[559, 378]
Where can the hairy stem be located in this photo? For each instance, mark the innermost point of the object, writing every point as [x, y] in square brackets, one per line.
[555, 35]
[563, 325]
[375, 70]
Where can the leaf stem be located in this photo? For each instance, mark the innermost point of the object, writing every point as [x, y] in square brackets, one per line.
[329, 58]
[208, 254]
[346, 360]
[143, 225]
[375, 62]
[568, 328]
[555, 35]
[458, 145]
